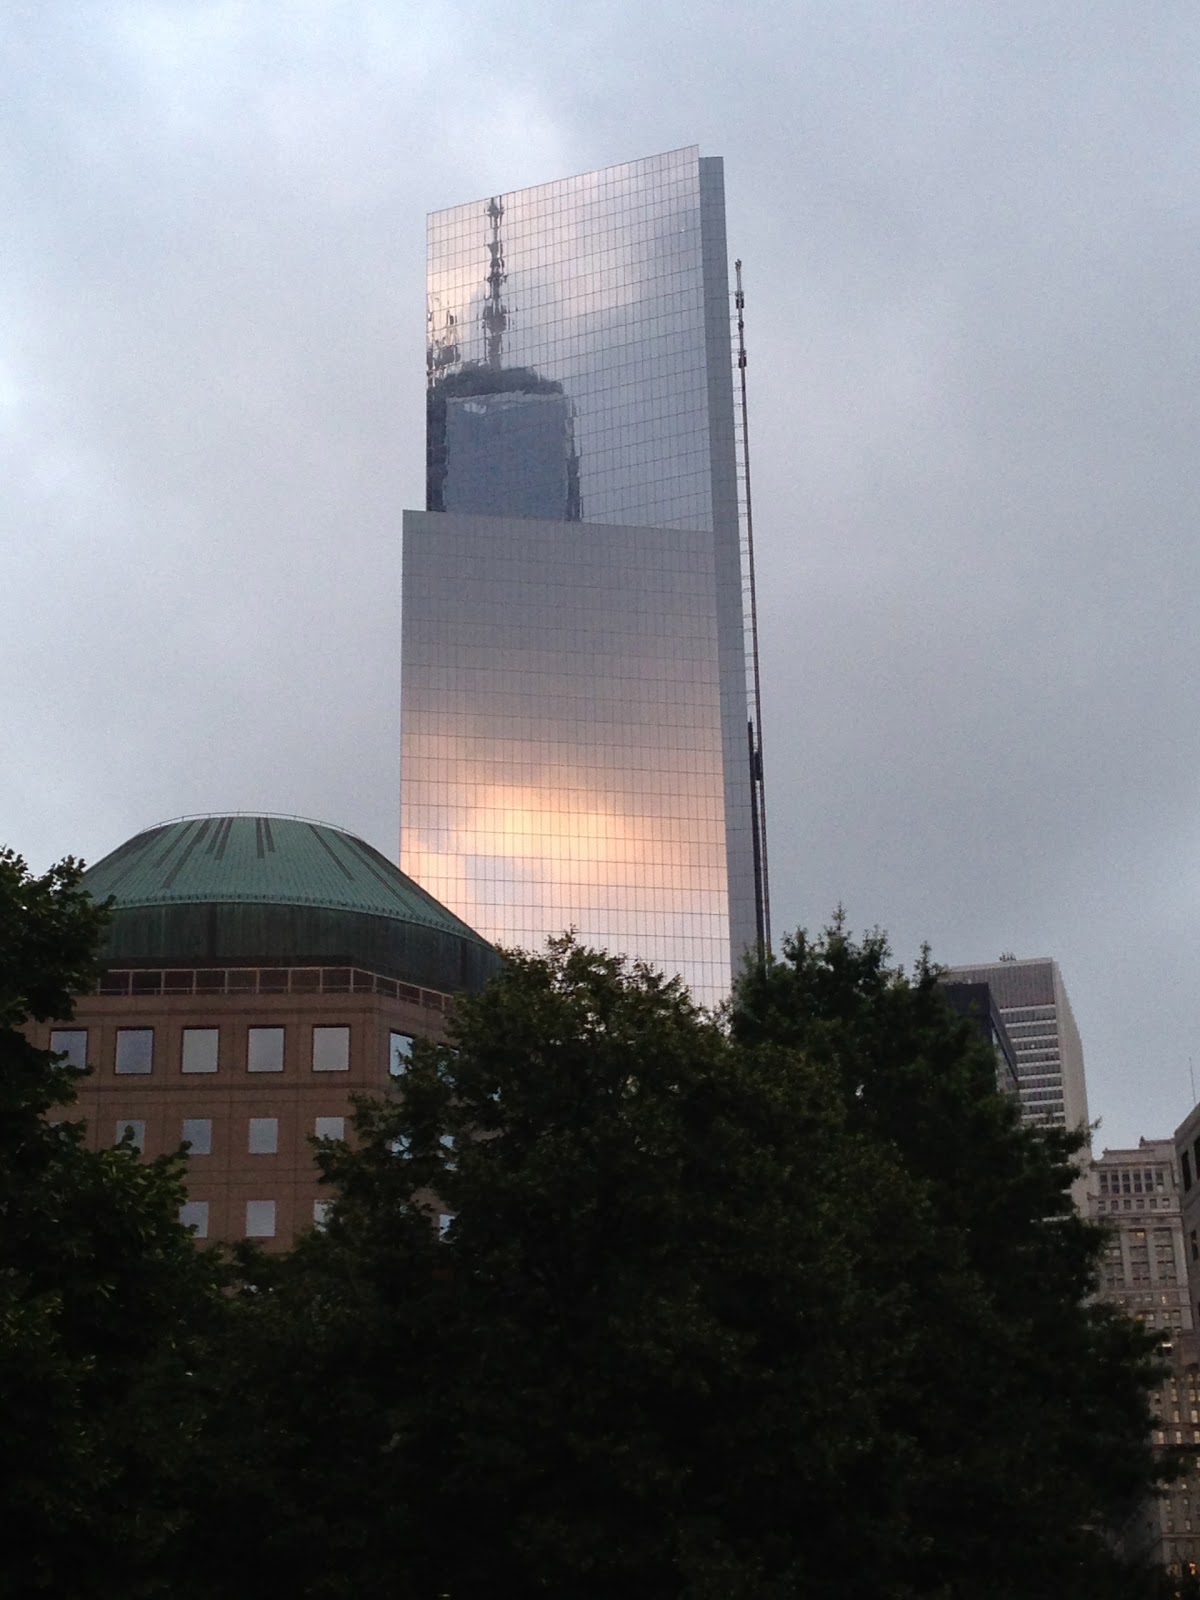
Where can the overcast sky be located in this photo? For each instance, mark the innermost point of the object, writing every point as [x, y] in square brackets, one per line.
[970, 240]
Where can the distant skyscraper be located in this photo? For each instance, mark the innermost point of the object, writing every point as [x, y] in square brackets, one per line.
[1037, 1015]
[577, 745]
[1137, 1194]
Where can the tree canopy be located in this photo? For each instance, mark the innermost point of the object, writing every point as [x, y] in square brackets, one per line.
[1015, 1414]
[617, 1298]
[103, 1297]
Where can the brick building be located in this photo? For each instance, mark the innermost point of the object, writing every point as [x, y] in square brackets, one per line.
[1138, 1194]
[258, 972]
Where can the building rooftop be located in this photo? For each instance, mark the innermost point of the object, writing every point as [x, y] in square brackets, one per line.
[260, 889]
[262, 859]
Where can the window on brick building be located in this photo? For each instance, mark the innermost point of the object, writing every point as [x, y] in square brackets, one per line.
[135, 1050]
[197, 1131]
[263, 1137]
[199, 1049]
[260, 1219]
[71, 1043]
[331, 1049]
[194, 1214]
[264, 1050]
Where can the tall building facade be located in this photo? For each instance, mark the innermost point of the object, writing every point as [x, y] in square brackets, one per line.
[1036, 1013]
[577, 748]
[1137, 1194]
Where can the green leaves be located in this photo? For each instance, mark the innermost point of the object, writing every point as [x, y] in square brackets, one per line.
[783, 1304]
[793, 1306]
[1013, 1419]
[50, 929]
[104, 1302]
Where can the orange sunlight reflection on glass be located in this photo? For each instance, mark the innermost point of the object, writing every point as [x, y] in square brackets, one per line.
[521, 863]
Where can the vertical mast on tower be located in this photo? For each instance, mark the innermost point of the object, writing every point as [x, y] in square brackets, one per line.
[758, 803]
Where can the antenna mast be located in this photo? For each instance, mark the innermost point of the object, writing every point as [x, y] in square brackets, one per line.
[495, 313]
[758, 802]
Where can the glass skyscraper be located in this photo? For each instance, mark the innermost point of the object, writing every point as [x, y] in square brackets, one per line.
[575, 731]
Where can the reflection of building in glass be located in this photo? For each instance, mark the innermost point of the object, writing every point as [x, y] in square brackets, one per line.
[500, 439]
[574, 697]
[502, 443]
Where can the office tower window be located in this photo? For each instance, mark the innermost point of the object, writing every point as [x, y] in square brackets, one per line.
[400, 1046]
[194, 1214]
[135, 1130]
[71, 1043]
[197, 1131]
[264, 1136]
[260, 1219]
[331, 1049]
[199, 1049]
[135, 1050]
[331, 1128]
[264, 1050]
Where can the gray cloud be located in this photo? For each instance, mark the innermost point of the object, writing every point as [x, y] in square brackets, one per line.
[970, 242]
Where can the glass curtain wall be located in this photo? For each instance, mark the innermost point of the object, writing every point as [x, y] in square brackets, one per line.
[573, 691]
[567, 364]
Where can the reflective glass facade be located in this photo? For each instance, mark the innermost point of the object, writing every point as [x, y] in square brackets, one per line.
[574, 699]
[567, 322]
[562, 736]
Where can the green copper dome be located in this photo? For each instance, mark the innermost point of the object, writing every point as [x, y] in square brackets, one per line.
[279, 891]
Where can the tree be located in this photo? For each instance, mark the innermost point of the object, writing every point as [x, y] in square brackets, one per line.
[103, 1297]
[1015, 1419]
[616, 1299]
